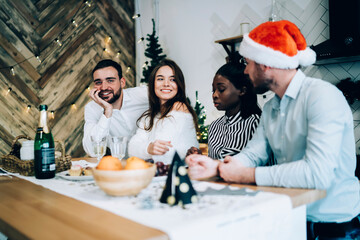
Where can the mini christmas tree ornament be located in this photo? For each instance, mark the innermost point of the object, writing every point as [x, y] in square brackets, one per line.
[178, 189]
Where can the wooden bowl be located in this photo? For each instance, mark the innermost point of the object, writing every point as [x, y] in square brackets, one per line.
[124, 182]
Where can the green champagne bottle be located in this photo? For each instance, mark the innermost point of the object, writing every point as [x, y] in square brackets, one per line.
[44, 148]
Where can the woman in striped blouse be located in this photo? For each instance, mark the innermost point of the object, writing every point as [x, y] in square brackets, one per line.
[232, 93]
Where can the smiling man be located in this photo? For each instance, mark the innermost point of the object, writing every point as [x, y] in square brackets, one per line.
[114, 110]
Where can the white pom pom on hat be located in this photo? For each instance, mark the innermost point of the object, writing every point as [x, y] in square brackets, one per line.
[277, 44]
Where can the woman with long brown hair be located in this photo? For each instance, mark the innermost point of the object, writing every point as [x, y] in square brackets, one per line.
[170, 123]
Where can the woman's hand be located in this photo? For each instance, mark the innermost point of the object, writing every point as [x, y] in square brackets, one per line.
[201, 166]
[193, 150]
[159, 147]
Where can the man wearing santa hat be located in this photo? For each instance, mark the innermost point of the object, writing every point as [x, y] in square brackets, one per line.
[308, 126]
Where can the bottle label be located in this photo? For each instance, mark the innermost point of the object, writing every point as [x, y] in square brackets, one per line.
[47, 156]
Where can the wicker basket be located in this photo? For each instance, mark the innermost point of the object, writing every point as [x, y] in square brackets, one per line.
[12, 162]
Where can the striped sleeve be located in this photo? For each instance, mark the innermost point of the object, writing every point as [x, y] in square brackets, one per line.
[227, 138]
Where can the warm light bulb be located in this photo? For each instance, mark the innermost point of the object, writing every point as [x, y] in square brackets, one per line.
[136, 16]
[28, 108]
[145, 64]
[118, 54]
[52, 114]
[108, 39]
[73, 106]
[38, 58]
[88, 3]
[9, 89]
[128, 69]
[12, 71]
[74, 23]
[140, 40]
[58, 42]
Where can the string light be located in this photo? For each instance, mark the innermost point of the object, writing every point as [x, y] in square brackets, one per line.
[108, 39]
[52, 114]
[88, 3]
[74, 23]
[9, 90]
[136, 16]
[145, 64]
[118, 54]
[140, 40]
[128, 69]
[73, 106]
[38, 58]
[12, 71]
[28, 108]
[58, 42]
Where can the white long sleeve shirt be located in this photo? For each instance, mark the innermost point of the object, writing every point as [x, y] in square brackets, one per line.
[121, 123]
[177, 127]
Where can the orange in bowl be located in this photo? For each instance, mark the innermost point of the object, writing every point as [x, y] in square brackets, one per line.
[134, 163]
[109, 163]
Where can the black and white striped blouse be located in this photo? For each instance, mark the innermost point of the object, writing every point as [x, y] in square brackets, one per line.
[229, 135]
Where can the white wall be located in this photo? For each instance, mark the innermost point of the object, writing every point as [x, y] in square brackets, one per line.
[188, 29]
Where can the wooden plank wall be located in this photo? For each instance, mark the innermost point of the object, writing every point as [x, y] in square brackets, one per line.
[29, 28]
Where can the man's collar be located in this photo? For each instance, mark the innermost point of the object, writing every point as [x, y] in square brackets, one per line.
[292, 90]
[295, 84]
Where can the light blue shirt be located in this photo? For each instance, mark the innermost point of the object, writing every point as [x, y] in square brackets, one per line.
[310, 131]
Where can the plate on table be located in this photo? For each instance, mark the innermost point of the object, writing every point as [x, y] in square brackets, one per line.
[66, 175]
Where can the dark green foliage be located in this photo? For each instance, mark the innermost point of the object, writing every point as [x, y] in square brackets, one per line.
[153, 52]
[203, 129]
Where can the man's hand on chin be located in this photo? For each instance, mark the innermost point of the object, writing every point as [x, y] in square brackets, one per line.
[108, 108]
[232, 170]
[201, 167]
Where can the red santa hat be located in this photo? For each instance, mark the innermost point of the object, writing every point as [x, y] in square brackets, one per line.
[277, 44]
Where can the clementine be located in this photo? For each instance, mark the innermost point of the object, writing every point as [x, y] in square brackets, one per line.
[109, 163]
[134, 163]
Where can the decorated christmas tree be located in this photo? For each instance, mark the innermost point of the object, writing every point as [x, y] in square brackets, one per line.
[203, 129]
[154, 52]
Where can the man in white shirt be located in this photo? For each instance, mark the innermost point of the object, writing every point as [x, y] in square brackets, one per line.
[308, 125]
[114, 110]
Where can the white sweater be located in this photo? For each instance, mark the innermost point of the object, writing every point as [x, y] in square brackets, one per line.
[177, 127]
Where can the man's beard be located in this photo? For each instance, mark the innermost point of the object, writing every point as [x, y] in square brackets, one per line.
[263, 87]
[115, 97]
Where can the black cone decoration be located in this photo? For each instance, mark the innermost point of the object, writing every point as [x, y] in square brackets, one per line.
[178, 189]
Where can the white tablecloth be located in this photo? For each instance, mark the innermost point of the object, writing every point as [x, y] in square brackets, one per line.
[246, 215]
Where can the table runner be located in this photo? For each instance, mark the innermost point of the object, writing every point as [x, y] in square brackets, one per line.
[240, 214]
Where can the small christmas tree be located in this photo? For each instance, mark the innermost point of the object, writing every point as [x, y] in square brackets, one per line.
[154, 52]
[203, 129]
